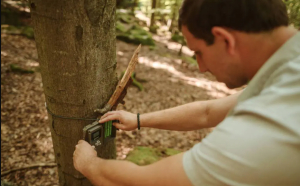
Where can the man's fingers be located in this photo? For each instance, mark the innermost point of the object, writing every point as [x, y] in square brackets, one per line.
[115, 113]
[103, 119]
[107, 114]
[108, 118]
[119, 126]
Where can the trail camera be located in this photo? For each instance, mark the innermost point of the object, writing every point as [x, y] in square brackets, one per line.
[99, 133]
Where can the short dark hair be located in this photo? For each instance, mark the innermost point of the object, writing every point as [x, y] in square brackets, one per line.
[251, 16]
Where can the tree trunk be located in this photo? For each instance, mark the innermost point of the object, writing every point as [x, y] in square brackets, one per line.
[135, 4]
[153, 13]
[77, 54]
[174, 16]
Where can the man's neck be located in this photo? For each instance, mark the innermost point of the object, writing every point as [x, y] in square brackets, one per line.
[256, 49]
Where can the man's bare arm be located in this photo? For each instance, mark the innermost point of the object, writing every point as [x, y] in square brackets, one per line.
[168, 171]
[191, 116]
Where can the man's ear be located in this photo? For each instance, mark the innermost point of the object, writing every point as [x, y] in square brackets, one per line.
[223, 34]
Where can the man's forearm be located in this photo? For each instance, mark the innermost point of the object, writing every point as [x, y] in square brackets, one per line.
[186, 117]
[116, 173]
[111, 172]
[191, 116]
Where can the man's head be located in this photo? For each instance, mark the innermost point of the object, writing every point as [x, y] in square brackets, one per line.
[216, 29]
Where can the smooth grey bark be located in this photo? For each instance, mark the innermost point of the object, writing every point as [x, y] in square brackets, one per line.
[77, 54]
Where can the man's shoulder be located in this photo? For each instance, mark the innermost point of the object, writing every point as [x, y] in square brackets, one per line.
[240, 150]
[275, 93]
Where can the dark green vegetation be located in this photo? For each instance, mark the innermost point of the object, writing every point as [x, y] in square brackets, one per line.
[129, 30]
[26, 31]
[15, 19]
[16, 68]
[293, 7]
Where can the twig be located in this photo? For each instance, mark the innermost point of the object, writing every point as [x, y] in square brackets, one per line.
[4, 173]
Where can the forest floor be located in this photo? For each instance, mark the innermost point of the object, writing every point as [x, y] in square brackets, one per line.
[27, 156]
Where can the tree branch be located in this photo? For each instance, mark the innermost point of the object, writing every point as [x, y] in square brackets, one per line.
[118, 95]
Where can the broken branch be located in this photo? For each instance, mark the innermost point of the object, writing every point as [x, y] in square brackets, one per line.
[122, 84]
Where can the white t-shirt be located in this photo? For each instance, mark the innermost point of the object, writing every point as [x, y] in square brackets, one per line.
[258, 143]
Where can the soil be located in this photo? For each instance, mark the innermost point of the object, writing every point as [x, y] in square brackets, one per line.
[168, 81]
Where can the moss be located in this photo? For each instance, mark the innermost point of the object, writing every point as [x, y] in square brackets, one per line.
[129, 31]
[171, 152]
[189, 59]
[152, 47]
[153, 29]
[28, 32]
[17, 69]
[136, 83]
[125, 18]
[127, 38]
[143, 156]
[120, 27]
[136, 35]
[145, 40]
[178, 38]
[147, 155]
[136, 30]
[21, 30]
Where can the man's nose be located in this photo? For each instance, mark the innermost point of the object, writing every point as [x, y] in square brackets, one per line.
[201, 65]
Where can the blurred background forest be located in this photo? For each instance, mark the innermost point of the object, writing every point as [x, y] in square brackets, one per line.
[166, 76]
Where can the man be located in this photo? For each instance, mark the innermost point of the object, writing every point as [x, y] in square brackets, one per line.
[258, 142]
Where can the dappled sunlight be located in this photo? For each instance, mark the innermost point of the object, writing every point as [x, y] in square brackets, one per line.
[3, 53]
[142, 16]
[172, 45]
[32, 63]
[120, 53]
[213, 88]
[159, 65]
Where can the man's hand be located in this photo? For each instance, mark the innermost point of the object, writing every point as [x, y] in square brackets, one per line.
[83, 156]
[128, 121]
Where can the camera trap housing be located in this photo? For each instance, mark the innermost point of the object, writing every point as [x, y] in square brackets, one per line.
[98, 134]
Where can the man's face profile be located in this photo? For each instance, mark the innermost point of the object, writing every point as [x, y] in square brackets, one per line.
[219, 58]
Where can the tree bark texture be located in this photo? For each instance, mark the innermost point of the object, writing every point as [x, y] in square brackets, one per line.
[77, 54]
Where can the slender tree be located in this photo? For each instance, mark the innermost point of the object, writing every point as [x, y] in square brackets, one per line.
[77, 54]
[153, 7]
[134, 6]
[174, 17]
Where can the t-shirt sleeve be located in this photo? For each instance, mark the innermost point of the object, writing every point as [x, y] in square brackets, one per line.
[245, 149]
